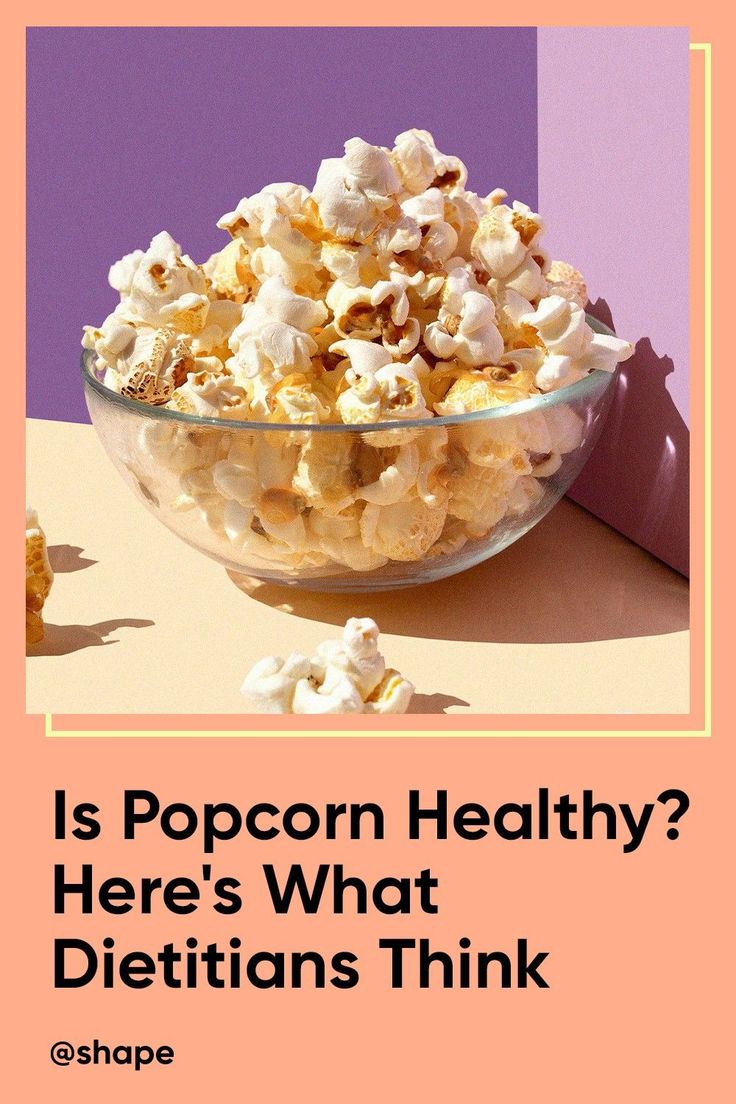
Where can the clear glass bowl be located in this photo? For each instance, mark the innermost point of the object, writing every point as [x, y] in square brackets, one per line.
[353, 508]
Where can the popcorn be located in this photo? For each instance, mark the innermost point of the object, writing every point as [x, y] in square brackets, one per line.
[143, 364]
[381, 311]
[229, 273]
[299, 400]
[353, 193]
[396, 479]
[527, 278]
[162, 287]
[271, 342]
[561, 326]
[39, 577]
[271, 683]
[353, 311]
[470, 391]
[471, 335]
[364, 357]
[572, 349]
[388, 293]
[222, 318]
[390, 393]
[211, 393]
[421, 165]
[427, 208]
[479, 495]
[324, 473]
[565, 428]
[267, 262]
[277, 302]
[398, 237]
[435, 466]
[279, 512]
[392, 695]
[339, 696]
[496, 444]
[452, 539]
[525, 494]
[344, 676]
[403, 530]
[275, 217]
[344, 261]
[566, 281]
[463, 212]
[338, 536]
[439, 239]
[504, 237]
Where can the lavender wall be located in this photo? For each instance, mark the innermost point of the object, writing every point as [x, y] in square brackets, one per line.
[131, 131]
[613, 186]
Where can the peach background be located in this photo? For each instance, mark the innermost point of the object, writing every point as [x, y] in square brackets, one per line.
[640, 1002]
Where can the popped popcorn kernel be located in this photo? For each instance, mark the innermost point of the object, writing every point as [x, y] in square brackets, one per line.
[39, 577]
[566, 281]
[343, 676]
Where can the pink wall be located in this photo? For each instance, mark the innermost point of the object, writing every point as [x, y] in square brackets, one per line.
[613, 186]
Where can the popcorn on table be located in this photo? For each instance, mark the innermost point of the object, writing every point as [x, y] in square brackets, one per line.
[39, 577]
[388, 293]
[343, 676]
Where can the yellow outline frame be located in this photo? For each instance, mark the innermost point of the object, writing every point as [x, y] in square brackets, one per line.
[706, 49]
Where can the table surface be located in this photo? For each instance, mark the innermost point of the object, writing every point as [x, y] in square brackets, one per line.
[573, 618]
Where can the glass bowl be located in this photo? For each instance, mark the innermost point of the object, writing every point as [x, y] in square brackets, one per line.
[353, 508]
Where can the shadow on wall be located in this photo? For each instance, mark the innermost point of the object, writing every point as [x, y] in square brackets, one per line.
[642, 458]
[570, 579]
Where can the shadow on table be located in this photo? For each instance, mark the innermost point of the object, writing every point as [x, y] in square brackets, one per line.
[65, 558]
[63, 639]
[434, 703]
[570, 579]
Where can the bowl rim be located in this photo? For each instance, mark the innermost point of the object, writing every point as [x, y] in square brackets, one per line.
[581, 389]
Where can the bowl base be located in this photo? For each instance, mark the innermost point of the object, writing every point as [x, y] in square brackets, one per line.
[339, 585]
[369, 582]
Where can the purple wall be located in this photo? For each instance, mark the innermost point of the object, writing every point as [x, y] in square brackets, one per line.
[613, 185]
[131, 131]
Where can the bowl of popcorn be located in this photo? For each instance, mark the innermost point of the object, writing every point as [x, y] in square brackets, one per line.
[376, 383]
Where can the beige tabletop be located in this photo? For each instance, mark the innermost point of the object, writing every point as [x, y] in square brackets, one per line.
[573, 618]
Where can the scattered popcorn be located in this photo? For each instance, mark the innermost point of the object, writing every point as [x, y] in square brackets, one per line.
[343, 676]
[387, 295]
[39, 577]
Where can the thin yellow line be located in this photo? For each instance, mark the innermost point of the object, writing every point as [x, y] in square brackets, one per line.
[706, 49]
[708, 372]
[436, 734]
